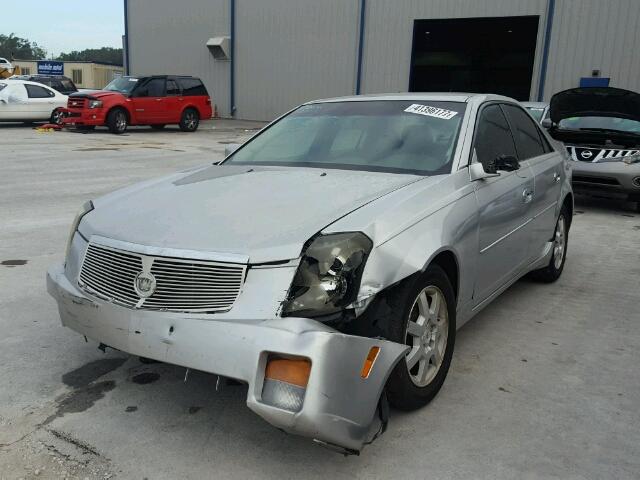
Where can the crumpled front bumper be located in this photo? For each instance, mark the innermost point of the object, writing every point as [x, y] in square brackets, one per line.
[340, 407]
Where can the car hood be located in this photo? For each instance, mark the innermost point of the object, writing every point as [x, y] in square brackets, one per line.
[595, 101]
[95, 94]
[263, 213]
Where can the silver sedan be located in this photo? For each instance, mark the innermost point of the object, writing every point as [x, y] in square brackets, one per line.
[328, 261]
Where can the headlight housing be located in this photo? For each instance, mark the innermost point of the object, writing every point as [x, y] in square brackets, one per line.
[86, 208]
[95, 104]
[328, 277]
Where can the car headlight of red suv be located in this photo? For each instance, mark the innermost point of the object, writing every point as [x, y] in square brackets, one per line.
[95, 104]
[328, 277]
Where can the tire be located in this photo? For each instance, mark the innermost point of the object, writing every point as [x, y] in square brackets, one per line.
[554, 269]
[158, 127]
[117, 121]
[412, 386]
[56, 117]
[190, 120]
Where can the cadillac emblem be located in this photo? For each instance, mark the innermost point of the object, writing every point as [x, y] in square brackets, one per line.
[145, 284]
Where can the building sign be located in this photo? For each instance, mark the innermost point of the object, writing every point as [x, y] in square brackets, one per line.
[46, 67]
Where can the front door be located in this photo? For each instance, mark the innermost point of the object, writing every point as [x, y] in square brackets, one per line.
[149, 102]
[504, 204]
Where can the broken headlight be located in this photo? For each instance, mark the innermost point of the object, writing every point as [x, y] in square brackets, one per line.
[86, 208]
[328, 277]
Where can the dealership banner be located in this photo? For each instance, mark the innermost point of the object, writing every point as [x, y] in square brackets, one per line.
[50, 68]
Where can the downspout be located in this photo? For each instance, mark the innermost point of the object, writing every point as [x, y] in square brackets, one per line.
[551, 7]
[363, 10]
[232, 45]
[126, 37]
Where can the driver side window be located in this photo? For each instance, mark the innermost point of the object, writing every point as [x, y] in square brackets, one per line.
[493, 135]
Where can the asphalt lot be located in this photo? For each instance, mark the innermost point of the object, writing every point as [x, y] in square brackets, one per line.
[544, 382]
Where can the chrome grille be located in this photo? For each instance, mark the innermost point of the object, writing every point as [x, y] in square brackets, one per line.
[181, 285]
[76, 103]
[594, 155]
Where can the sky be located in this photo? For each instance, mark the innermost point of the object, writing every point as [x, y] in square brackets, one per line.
[63, 26]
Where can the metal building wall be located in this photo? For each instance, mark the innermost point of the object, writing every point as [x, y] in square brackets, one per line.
[389, 34]
[291, 51]
[594, 35]
[169, 37]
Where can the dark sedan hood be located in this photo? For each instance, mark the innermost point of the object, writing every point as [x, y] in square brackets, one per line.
[595, 102]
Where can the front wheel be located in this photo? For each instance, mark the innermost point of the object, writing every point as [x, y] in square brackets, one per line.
[117, 121]
[426, 323]
[190, 120]
[56, 117]
[554, 269]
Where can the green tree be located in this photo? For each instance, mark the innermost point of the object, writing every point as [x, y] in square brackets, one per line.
[20, 48]
[105, 55]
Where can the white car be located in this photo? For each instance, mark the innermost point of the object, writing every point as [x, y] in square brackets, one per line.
[23, 101]
[5, 64]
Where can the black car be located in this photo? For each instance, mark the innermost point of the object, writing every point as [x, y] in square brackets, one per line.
[58, 82]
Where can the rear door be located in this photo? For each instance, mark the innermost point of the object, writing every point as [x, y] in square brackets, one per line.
[149, 102]
[504, 205]
[173, 101]
[41, 101]
[546, 165]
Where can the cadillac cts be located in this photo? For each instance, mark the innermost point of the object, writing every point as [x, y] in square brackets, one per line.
[327, 262]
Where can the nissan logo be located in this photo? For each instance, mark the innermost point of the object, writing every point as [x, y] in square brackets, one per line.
[586, 154]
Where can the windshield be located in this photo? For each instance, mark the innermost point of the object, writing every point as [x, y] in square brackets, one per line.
[393, 136]
[536, 112]
[122, 85]
[600, 123]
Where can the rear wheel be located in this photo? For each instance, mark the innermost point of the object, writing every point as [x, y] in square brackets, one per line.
[426, 323]
[553, 270]
[117, 121]
[190, 120]
[56, 117]
[158, 127]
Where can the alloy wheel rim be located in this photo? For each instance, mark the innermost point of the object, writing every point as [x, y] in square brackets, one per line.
[427, 334]
[121, 122]
[559, 242]
[191, 120]
[57, 117]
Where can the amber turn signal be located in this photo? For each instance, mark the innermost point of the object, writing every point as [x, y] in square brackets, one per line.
[293, 371]
[369, 361]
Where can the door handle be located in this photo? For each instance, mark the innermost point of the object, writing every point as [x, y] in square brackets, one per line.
[527, 195]
[556, 177]
[158, 99]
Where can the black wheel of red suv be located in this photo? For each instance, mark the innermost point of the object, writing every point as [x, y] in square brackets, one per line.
[190, 120]
[117, 121]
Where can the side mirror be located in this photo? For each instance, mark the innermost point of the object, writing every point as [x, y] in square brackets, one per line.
[230, 148]
[547, 123]
[506, 163]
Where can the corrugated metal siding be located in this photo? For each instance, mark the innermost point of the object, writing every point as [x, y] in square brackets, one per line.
[169, 37]
[594, 35]
[389, 34]
[291, 51]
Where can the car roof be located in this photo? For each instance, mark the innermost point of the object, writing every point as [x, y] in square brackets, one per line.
[534, 104]
[23, 82]
[428, 96]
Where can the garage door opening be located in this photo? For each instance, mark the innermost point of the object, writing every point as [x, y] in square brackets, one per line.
[479, 55]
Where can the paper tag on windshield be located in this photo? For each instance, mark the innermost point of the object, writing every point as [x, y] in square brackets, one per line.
[431, 111]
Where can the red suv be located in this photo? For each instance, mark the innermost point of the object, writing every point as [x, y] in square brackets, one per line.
[156, 101]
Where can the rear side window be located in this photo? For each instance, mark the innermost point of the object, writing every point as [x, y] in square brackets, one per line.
[528, 141]
[172, 87]
[68, 85]
[33, 91]
[192, 87]
[493, 135]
